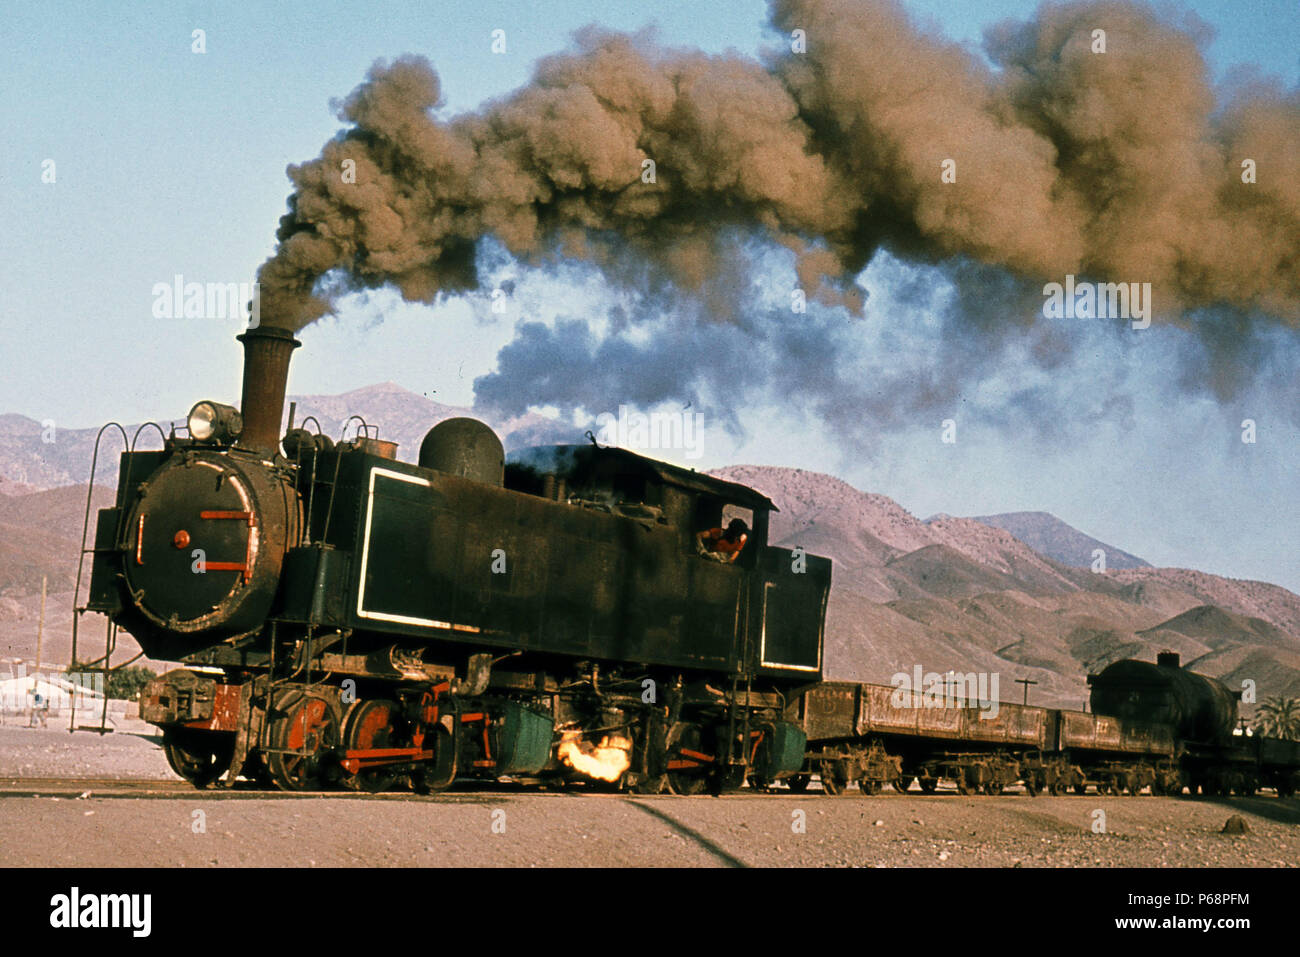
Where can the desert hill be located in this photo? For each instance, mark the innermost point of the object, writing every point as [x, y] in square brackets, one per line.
[1048, 535]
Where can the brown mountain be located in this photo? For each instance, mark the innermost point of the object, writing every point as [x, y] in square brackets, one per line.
[1047, 534]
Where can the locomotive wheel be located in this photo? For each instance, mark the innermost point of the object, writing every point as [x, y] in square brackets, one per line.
[902, 784]
[437, 775]
[261, 774]
[928, 785]
[726, 780]
[369, 725]
[1082, 788]
[869, 787]
[304, 730]
[686, 784]
[798, 783]
[653, 776]
[198, 757]
[654, 784]
[685, 735]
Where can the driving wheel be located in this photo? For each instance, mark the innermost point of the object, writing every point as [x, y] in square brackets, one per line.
[369, 727]
[304, 730]
[200, 757]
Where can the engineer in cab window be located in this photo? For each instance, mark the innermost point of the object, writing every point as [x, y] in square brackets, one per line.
[723, 546]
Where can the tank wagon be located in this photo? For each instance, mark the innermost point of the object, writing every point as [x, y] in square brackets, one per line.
[349, 620]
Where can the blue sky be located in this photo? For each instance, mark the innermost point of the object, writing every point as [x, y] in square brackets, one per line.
[169, 162]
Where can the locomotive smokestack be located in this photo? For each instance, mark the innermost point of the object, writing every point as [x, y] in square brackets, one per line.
[267, 351]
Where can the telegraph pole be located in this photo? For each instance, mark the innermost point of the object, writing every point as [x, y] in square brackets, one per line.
[1026, 682]
[40, 623]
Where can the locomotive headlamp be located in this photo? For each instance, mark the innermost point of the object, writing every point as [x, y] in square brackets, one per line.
[214, 422]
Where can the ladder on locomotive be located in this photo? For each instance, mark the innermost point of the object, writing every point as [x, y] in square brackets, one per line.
[103, 665]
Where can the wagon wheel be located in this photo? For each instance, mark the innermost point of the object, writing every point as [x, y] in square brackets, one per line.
[798, 783]
[199, 757]
[303, 731]
[369, 726]
[834, 778]
[970, 777]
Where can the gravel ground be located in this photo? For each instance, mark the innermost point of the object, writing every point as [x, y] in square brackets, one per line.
[548, 828]
[133, 750]
[544, 829]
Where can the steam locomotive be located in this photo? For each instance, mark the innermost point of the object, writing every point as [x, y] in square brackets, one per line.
[349, 620]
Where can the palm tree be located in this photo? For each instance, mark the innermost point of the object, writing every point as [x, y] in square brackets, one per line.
[1279, 717]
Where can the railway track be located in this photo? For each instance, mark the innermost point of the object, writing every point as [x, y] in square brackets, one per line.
[82, 788]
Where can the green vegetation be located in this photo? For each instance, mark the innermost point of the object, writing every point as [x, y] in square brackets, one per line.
[1279, 717]
[123, 684]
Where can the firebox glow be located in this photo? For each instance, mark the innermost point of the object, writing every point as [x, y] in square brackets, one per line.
[605, 761]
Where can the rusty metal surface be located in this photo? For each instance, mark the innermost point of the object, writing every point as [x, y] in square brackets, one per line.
[1099, 732]
[830, 710]
[1012, 725]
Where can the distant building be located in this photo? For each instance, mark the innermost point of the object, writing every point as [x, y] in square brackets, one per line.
[52, 693]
